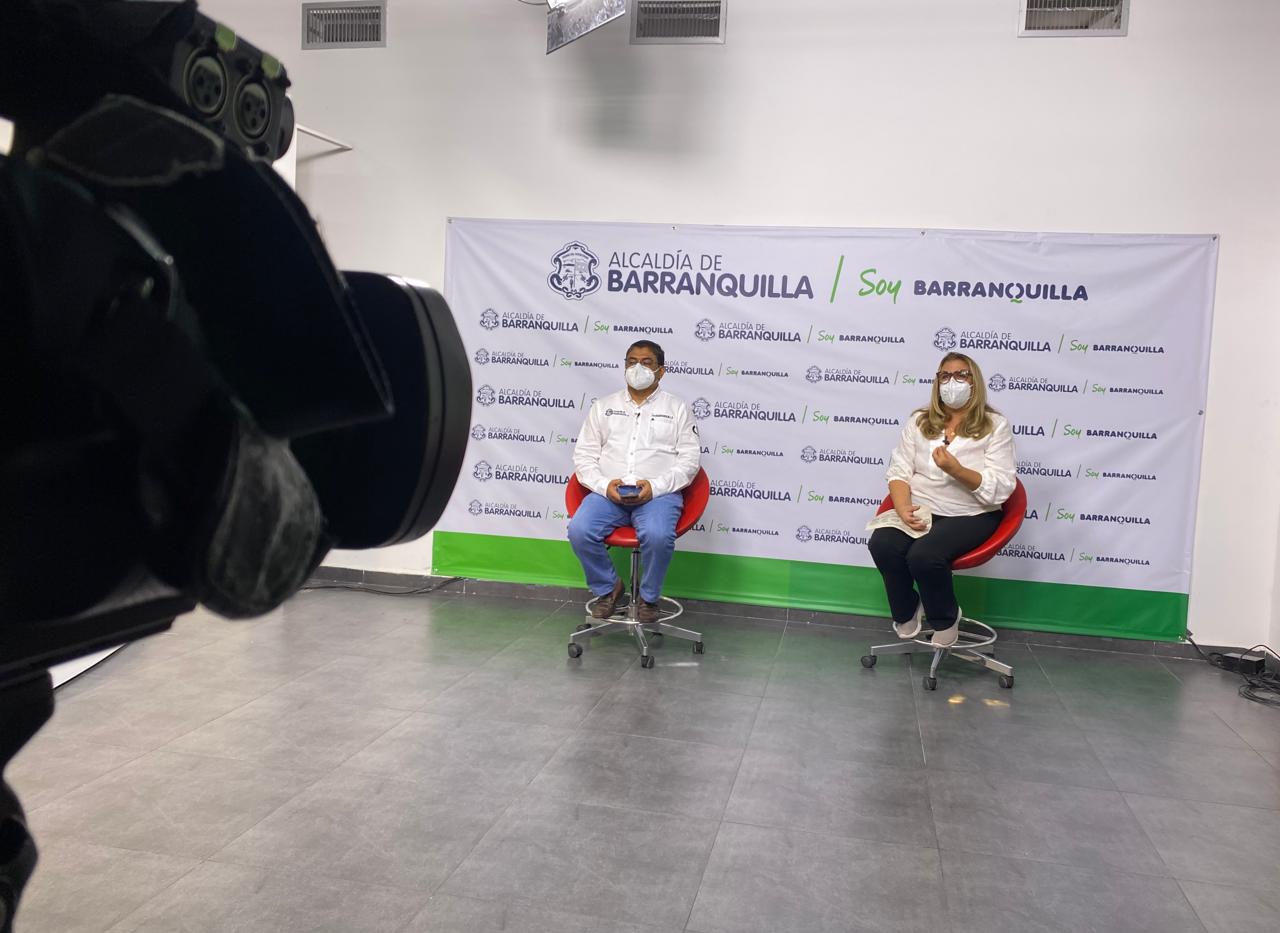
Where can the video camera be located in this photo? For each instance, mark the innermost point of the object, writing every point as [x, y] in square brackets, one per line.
[197, 404]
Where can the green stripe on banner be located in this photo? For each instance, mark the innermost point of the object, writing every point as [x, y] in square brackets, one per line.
[1045, 607]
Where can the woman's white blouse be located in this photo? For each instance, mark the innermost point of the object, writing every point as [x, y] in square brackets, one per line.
[992, 456]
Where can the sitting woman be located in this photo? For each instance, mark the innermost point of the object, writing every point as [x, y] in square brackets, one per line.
[956, 457]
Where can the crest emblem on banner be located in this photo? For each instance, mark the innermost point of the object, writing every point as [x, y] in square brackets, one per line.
[813, 374]
[483, 471]
[489, 319]
[996, 383]
[705, 330]
[945, 339]
[804, 534]
[575, 273]
[486, 396]
[476, 507]
[481, 357]
[478, 433]
[809, 455]
[701, 408]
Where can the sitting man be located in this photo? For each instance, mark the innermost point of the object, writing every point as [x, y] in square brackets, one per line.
[644, 442]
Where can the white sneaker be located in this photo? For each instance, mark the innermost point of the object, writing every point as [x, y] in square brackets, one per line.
[948, 636]
[911, 628]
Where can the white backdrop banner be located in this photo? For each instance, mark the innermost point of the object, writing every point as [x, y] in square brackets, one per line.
[803, 351]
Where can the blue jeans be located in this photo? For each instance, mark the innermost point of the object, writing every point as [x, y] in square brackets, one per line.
[655, 525]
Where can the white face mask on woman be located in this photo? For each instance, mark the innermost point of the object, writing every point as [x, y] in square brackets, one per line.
[640, 377]
[954, 393]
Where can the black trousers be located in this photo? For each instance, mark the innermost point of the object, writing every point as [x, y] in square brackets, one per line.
[907, 563]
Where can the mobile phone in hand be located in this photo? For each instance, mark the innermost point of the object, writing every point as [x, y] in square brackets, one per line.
[628, 492]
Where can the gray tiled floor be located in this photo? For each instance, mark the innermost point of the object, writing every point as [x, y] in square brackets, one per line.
[363, 764]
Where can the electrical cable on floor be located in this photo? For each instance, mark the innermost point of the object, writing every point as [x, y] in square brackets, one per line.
[380, 590]
[1263, 687]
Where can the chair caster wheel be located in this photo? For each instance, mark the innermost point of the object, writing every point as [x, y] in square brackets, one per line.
[697, 647]
[652, 635]
[575, 650]
[930, 683]
[1006, 681]
[583, 627]
[868, 660]
[646, 661]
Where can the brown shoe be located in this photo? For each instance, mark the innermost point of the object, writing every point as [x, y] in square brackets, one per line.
[648, 612]
[605, 605]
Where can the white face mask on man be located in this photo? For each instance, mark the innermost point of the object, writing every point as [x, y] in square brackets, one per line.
[955, 393]
[640, 377]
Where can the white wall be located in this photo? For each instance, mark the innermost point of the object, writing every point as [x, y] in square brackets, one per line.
[851, 113]
[287, 164]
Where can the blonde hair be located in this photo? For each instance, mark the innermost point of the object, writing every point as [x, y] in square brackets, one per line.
[977, 421]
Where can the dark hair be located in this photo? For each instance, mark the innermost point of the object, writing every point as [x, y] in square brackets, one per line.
[650, 345]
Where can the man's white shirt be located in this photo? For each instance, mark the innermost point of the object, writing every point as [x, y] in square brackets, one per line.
[655, 441]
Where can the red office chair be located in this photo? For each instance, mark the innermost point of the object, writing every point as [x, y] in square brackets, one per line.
[696, 495]
[969, 645]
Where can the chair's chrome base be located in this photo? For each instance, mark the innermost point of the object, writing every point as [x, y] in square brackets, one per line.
[626, 619]
[968, 647]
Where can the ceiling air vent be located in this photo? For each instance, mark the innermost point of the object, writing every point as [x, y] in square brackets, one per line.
[357, 24]
[1074, 18]
[676, 22]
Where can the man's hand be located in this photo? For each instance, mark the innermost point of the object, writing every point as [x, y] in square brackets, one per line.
[908, 515]
[612, 491]
[945, 461]
[646, 492]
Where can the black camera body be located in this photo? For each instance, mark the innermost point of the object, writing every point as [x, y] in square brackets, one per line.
[198, 405]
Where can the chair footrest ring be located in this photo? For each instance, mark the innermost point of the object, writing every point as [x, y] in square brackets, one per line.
[973, 638]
